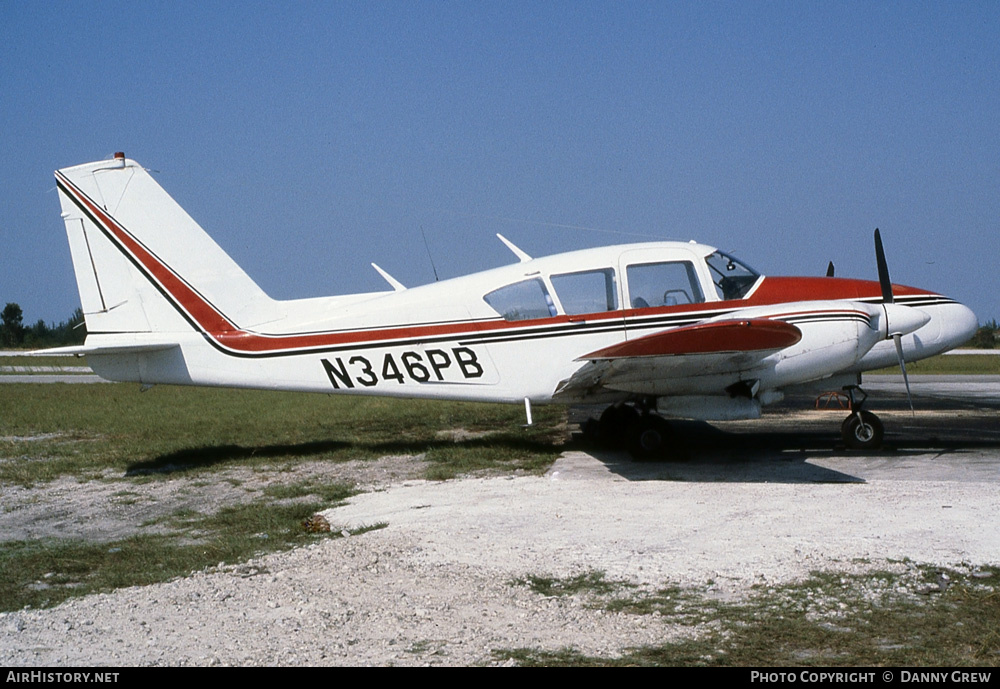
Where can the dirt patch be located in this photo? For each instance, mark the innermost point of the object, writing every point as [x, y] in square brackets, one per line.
[115, 506]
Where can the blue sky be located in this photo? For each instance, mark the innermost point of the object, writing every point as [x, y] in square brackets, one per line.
[311, 138]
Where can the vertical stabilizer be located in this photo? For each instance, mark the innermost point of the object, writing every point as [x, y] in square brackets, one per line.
[142, 263]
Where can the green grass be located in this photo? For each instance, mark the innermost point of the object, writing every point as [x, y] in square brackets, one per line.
[875, 619]
[950, 364]
[592, 582]
[53, 430]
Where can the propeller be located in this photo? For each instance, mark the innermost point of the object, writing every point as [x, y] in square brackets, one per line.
[883, 270]
[900, 320]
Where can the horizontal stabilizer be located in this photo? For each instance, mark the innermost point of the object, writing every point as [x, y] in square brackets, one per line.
[84, 350]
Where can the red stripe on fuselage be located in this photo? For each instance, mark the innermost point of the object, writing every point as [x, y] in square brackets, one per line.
[212, 322]
[228, 335]
[776, 290]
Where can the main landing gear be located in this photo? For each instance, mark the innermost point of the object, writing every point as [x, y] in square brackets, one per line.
[643, 433]
[862, 430]
[648, 436]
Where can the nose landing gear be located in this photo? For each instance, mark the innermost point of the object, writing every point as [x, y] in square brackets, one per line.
[862, 430]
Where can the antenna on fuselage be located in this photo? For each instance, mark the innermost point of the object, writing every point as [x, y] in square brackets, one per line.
[427, 246]
[396, 284]
[521, 256]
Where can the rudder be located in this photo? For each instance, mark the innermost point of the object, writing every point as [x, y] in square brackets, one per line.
[142, 263]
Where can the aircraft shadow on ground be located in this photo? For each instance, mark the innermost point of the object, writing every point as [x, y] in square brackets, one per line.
[212, 455]
[709, 454]
[773, 450]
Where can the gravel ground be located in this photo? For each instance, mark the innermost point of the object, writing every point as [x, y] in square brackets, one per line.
[436, 585]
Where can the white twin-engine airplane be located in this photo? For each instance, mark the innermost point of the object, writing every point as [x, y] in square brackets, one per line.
[651, 330]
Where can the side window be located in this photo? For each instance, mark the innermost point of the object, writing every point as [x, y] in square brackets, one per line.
[522, 301]
[663, 284]
[590, 291]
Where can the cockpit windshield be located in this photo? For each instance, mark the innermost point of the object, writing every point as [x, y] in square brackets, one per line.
[733, 279]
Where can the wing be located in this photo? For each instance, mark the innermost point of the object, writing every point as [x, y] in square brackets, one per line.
[682, 360]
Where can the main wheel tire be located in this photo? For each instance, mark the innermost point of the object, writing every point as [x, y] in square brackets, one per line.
[649, 437]
[862, 431]
[614, 423]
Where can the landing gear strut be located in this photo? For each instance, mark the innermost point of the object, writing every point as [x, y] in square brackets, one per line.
[862, 430]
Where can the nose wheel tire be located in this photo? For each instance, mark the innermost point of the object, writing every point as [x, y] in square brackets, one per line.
[862, 431]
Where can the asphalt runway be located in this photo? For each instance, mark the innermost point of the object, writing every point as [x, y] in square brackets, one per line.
[52, 378]
[955, 388]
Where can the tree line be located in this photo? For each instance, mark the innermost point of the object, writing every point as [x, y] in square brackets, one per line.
[13, 332]
[987, 337]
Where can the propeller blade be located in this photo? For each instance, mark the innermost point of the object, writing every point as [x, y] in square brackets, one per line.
[883, 269]
[829, 270]
[906, 319]
[898, 339]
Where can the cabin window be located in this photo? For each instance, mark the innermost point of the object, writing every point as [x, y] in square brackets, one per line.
[733, 279]
[663, 284]
[522, 301]
[591, 291]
